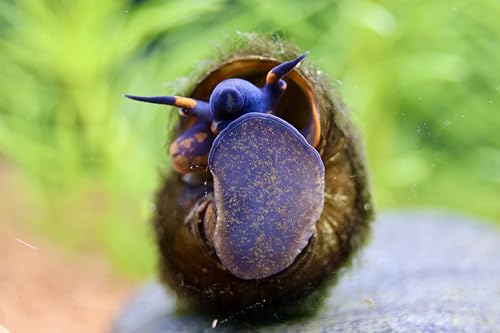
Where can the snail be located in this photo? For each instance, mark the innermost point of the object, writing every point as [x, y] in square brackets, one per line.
[268, 198]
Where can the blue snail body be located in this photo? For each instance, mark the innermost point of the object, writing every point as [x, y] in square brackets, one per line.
[259, 229]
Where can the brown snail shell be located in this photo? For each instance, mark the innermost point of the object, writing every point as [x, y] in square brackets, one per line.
[188, 263]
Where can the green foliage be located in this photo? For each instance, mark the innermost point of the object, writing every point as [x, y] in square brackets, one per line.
[421, 80]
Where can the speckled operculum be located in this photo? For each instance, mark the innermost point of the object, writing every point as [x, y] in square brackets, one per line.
[268, 192]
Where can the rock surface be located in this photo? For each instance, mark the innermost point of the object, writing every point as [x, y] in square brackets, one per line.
[421, 272]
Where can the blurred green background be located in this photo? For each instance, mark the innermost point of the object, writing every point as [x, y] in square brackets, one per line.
[421, 78]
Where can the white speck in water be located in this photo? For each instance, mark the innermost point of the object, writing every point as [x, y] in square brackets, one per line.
[214, 323]
[24, 243]
[369, 302]
[339, 82]
[319, 72]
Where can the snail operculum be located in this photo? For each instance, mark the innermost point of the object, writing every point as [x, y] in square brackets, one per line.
[268, 180]
[268, 189]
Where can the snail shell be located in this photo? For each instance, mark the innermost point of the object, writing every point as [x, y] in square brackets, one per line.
[221, 252]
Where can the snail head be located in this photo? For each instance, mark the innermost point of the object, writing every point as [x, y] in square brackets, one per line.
[232, 98]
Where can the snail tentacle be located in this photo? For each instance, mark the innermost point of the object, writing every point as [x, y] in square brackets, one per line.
[283, 69]
[190, 106]
[275, 85]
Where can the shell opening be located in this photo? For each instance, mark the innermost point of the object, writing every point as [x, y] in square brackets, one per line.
[297, 106]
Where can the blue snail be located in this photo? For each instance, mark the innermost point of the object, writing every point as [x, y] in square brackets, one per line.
[270, 195]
